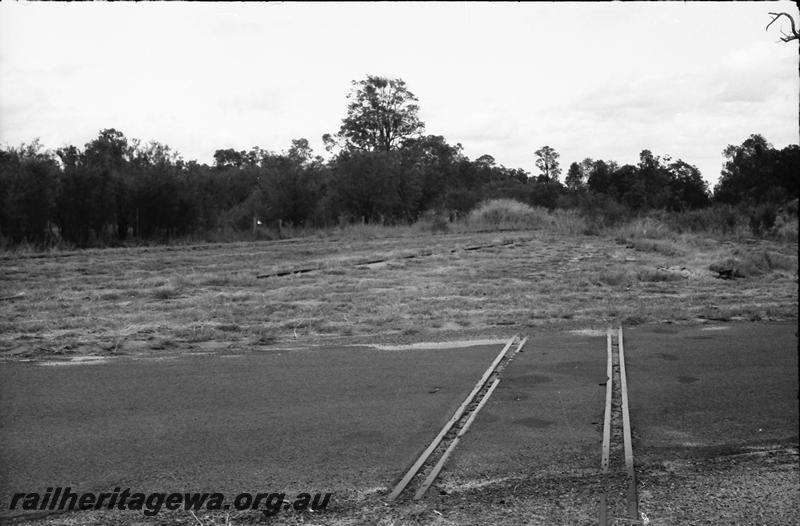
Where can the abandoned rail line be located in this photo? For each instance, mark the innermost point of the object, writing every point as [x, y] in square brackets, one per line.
[426, 468]
[380, 259]
[616, 425]
[617, 461]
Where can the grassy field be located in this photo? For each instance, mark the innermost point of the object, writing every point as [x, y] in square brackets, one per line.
[200, 298]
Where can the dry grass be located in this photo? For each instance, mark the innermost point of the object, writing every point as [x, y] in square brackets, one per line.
[507, 213]
[177, 299]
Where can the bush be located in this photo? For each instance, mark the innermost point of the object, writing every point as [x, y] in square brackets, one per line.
[750, 264]
[645, 227]
[569, 222]
[786, 222]
[508, 213]
[602, 212]
[762, 218]
[434, 221]
[720, 219]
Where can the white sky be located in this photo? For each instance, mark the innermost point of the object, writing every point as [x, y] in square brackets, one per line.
[589, 79]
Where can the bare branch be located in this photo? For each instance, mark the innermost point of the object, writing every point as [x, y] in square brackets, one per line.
[786, 38]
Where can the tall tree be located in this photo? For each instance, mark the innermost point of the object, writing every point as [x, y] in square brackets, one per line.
[433, 163]
[547, 163]
[300, 152]
[229, 158]
[652, 181]
[575, 179]
[28, 180]
[108, 156]
[382, 113]
[756, 172]
[689, 190]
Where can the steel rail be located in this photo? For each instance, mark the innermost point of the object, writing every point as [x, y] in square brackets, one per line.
[631, 497]
[633, 500]
[609, 395]
[378, 259]
[412, 471]
[438, 467]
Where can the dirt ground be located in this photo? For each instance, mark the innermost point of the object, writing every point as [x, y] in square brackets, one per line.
[168, 301]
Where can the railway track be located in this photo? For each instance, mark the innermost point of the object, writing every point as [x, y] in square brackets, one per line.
[423, 472]
[617, 506]
[383, 259]
[619, 501]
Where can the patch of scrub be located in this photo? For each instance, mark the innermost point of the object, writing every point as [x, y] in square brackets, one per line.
[437, 345]
[78, 360]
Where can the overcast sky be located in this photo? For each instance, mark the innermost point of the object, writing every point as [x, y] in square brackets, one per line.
[589, 79]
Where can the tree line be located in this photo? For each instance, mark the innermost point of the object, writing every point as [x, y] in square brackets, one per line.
[381, 168]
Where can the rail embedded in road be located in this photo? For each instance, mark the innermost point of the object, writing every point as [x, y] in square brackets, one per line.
[429, 464]
[617, 412]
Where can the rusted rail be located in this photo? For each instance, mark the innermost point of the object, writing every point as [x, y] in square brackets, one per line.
[445, 442]
[606, 507]
[376, 260]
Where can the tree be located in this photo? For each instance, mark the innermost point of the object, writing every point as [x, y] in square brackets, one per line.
[746, 174]
[599, 177]
[229, 158]
[433, 162]
[160, 200]
[286, 189]
[755, 172]
[300, 152]
[107, 159]
[795, 35]
[109, 151]
[371, 187]
[28, 178]
[381, 114]
[689, 190]
[547, 163]
[575, 177]
[652, 181]
[787, 166]
[486, 160]
[329, 142]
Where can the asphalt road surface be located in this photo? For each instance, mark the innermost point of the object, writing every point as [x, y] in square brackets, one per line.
[708, 390]
[693, 391]
[356, 418]
[546, 414]
[314, 420]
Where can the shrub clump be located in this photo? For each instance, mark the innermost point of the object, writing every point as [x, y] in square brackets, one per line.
[508, 213]
[745, 265]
